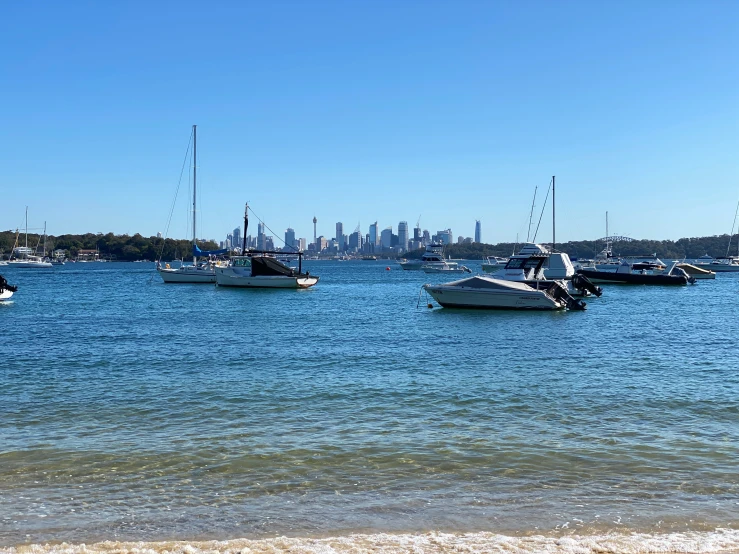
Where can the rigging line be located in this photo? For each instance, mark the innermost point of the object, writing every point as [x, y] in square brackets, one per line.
[728, 248]
[174, 201]
[542, 210]
[271, 231]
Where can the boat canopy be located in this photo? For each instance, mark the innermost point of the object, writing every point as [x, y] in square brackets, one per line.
[197, 252]
[262, 265]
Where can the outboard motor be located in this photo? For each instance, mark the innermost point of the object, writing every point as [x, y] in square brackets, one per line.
[558, 292]
[679, 271]
[580, 282]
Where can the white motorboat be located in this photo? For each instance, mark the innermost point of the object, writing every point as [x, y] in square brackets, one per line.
[489, 293]
[260, 269]
[446, 268]
[432, 257]
[697, 272]
[493, 263]
[6, 290]
[203, 272]
[522, 287]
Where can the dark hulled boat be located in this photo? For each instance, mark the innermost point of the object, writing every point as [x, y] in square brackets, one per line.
[627, 274]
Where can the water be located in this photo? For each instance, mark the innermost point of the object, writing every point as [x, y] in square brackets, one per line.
[344, 418]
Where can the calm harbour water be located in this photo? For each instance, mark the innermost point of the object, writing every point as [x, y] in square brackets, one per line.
[344, 417]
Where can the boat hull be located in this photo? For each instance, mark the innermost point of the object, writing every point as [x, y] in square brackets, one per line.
[492, 300]
[29, 265]
[180, 275]
[720, 268]
[227, 277]
[5, 295]
[596, 276]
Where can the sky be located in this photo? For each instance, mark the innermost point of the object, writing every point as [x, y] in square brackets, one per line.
[443, 112]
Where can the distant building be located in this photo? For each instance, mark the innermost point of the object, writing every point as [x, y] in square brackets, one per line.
[417, 236]
[340, 236]
[468, 240]
[443, 237]
[302, 244]
[478, 231]
[426, 238]
[374, 237]
[460, 239]
[261, 239]
[290, 238]
[236, 237]
[386, 238]
[159, 235]
[403, 236]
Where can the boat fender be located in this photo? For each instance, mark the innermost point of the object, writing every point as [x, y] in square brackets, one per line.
[387, 268]
[167, 266]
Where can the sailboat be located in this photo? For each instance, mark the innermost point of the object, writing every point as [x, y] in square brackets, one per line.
[260, 269]
[25, 257]
[198, 272]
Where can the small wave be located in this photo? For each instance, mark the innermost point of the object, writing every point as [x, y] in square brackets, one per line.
[720, 540]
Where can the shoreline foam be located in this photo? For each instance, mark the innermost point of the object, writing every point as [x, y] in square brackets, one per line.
[719, 540]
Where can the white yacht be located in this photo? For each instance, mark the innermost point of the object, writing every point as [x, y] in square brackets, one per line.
[723, 265]
[432, 257]
[198, 272]
[522, 291]
[26, 257]
[556, 266]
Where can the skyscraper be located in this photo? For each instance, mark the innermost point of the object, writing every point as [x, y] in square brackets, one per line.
[290, 238]
[403, 235]
[261, 239]
[340, 235]
[478, 231]
[374, 237]
[314, 229]
[236, 237]
[387, 237]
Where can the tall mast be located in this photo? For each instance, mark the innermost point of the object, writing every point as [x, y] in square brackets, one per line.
[194, 186]
[554, 235]
[26, 227]
[246, 226]
[44, 239]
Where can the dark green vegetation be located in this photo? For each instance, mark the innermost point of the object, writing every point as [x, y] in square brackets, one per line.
[111, 247]
[137, 247]
[684, 248]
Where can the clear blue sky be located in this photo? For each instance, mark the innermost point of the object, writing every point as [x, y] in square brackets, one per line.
[364, 111]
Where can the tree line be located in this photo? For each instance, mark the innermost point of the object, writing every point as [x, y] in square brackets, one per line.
[715, 246]
[137, 247]
[123, 248]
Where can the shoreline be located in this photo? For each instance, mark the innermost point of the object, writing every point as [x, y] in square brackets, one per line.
[719, 540]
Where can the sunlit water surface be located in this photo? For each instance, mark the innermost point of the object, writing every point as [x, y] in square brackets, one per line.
[131, 410]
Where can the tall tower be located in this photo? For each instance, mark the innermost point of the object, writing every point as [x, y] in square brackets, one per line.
[478, 231]
[315, 237]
